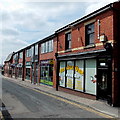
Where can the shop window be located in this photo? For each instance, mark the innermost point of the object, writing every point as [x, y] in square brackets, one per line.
[62, 74]
[46, 75]
[90, 76]
[79, 75]
[68, 40]
[70, 74]
[20, 72]
[28, 73]
[89, 34]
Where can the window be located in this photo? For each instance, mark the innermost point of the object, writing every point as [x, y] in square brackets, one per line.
[68, 40]
[21, 55]
[47, 46]
[78, 75]
[36, 49]
[90, 71]
[46, 72]
[14, 57]
[42, 48]
[28, 52]
[32, 50]
[89, 34]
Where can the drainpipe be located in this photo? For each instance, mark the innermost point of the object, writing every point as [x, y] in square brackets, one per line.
[23, 67]
[57, 71]
[98, 22]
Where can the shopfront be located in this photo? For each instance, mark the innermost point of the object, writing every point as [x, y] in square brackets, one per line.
[19, 69]
[28, 67]
[46, 72]
[78, 75]
[90, 75]
[35, 72]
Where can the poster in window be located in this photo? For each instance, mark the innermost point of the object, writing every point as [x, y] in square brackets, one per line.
[69, 75]
[90, 76]
[62, 74]
[79, 75]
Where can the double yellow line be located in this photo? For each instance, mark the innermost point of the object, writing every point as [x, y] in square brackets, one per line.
[70, 102]
[73, 103]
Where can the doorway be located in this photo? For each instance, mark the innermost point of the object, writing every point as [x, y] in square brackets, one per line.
[104, 80]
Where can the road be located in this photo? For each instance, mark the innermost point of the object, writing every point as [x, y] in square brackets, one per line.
[22, 102]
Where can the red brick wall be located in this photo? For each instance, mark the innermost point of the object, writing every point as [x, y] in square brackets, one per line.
[78, 36]
[20, 60]
[50, 55]
[116, 55]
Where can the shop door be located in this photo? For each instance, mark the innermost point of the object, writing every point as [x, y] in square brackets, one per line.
[102, 83]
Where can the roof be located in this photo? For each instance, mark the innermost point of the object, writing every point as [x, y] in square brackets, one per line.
[103, 9]
[40, 41]
[9, 57]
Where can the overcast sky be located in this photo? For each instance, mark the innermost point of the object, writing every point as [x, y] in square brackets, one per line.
[27, 21]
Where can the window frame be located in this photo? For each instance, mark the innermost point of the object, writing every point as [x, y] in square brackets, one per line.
[28, 52]
[88, 36]
[47, 46]
[68, 40]
[36, 49]
[20, 55]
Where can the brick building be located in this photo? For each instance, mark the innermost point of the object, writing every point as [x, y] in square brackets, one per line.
[8, 65]
[81, 58]
[88, 55]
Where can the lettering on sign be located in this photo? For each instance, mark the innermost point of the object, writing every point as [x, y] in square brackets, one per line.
[77, 69]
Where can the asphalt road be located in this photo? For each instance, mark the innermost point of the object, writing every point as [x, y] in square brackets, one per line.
[22, 102]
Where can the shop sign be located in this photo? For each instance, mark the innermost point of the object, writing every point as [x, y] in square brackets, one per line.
[47, 62]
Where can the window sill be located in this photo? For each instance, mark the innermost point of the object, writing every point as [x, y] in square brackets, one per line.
[46, 52]
[89, 46]
[68, 50]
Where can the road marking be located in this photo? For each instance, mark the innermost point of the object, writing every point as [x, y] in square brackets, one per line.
[75, 104]
[70, 102]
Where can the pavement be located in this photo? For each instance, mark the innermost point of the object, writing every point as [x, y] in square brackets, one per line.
[97, 105]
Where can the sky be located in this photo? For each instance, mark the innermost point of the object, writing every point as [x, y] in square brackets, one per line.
[23, 22]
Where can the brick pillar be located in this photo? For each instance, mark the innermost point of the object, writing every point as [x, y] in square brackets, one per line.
[54, 73]
[115, 81]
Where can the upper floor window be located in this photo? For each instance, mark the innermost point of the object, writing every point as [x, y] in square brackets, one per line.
[90, 34]
[28, 52]
[36, 49]
[14, 57]
[32, 51]
[47, 46]
[21, 55]
[68, 40]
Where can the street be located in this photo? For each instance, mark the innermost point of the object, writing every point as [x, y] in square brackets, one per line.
[22, 102]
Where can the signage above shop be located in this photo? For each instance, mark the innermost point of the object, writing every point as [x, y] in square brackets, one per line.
[47, 62]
